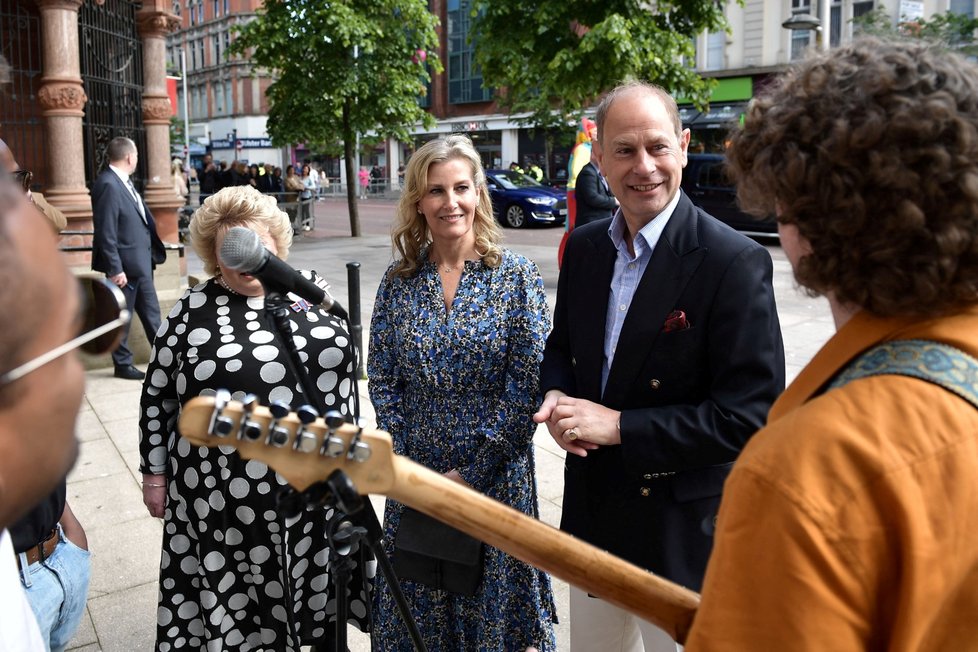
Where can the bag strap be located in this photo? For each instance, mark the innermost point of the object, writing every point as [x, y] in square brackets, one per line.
[935, 362]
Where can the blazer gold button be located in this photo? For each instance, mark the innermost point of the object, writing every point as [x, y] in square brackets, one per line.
[645, 491]
[573, 362]
[647, 476]
[655, 383]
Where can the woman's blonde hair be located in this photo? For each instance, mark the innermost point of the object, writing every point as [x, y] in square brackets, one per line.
[410, 234]
[238, 206]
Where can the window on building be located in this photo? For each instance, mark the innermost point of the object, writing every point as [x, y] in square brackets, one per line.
[217, 8]
[219, 99]
[193, 13]
[176, 7]
[200, 52]
[227, 43]
[800, 38]
[464, 77]
[217, 49]
[715, 44]
[229, 97]
[966, 7]
[835, 24]
[193, 56]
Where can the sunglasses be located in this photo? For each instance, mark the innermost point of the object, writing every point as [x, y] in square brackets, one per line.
[23, 177]
[104, 319]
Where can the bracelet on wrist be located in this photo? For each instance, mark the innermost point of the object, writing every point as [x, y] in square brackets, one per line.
[152, 484]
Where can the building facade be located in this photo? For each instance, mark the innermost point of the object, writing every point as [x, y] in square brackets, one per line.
[227, 105]
[83, 72]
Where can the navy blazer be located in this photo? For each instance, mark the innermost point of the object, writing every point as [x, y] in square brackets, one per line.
[123, 242]
[595, 201]
[689, 398]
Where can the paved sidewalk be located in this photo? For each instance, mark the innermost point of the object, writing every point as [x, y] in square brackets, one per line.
[104, 490]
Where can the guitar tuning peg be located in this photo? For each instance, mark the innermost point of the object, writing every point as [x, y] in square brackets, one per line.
[220, 425]
[334, 420]
[250, 430]
[332, 445]
[359, 451]
[278, 435]
[305, 441]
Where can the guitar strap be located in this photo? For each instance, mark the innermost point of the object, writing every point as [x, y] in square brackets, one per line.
[935, 362]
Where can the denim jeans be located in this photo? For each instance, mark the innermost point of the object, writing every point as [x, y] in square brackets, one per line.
[57, 589]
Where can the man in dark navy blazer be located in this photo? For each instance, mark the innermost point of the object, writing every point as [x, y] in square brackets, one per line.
[595, 201]
[126, 247]
[664, 358]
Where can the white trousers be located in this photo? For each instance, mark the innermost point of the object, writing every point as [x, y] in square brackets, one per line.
[599, 626]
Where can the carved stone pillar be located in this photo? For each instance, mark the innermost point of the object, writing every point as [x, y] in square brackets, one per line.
[62, 100]
[154, 21]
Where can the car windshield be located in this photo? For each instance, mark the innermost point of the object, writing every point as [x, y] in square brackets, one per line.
[510, 180]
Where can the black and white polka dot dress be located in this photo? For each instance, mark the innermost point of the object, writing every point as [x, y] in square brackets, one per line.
[234, 573]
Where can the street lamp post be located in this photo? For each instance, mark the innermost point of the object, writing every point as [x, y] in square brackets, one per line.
[806, 21]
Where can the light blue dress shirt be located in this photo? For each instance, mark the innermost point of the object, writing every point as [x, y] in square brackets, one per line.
[628, 273]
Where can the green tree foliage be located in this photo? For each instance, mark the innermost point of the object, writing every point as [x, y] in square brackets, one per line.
[554, 58]
[342, 68]
[955, 31]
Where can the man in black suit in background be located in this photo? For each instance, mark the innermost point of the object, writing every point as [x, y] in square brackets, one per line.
[126, 247]
[595, 201]
[664, 358]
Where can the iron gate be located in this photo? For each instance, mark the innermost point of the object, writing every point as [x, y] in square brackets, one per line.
[112, 74]
[21, 124]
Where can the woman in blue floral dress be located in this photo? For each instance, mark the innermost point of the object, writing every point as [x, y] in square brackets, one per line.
[455, 344]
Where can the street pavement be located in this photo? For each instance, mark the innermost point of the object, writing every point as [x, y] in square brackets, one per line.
[104, 490]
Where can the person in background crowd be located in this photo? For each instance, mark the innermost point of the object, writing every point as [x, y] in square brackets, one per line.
[179, 179]
[376, 180]
[24, 178]
[514, 167]
[215, 337]
[595, 201]
[848, 522]
[455, 343]
[293, 185]
[664, 359]
[308, 181]
[535, 172]
[253, 175]
[223, 176]
[125, 246]
[580, 156]
[207, 177]
[364, 177]
[49, 541]
[276, 185]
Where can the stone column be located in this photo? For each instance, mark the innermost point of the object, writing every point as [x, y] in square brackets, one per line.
[154, 21]
[62, 99]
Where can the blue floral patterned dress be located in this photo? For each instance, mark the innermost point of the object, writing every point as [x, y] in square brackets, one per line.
[456, 389]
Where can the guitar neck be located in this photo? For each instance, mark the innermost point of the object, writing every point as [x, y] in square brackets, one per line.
[663, 603]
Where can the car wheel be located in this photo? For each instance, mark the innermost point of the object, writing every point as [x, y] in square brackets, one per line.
[515, 217]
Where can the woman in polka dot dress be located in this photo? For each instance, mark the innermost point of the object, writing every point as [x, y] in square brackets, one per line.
[456, 340]
[235, 574]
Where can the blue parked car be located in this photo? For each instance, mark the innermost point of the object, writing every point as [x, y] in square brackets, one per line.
[518, 200]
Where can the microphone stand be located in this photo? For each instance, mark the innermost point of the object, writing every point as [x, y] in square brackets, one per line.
[337, 491]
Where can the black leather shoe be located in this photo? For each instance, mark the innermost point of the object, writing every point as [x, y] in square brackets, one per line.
[129, 372]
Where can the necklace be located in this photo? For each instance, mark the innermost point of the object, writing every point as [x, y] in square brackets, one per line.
[224, 284]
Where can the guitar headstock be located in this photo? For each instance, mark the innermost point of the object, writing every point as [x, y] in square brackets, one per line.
[302, 447]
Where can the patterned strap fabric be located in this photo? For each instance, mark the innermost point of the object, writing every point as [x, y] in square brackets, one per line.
[943, 365]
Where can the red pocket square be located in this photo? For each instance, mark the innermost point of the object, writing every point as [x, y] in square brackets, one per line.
[676, 321]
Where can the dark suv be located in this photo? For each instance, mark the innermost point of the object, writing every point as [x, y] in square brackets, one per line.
[705, 182]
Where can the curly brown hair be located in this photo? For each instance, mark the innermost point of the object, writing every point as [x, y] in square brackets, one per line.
[871, 151]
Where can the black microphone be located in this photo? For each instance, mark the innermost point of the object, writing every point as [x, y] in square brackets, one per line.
[243, 251]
